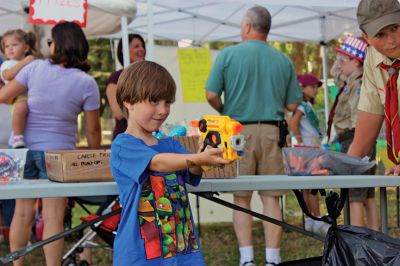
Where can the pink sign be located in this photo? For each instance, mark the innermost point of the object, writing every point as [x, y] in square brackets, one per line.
[55, 11]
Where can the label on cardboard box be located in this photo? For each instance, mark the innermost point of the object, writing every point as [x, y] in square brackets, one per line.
[79, 165]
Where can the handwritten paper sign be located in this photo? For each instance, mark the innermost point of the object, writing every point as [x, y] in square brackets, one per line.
[194, 65]
[55, 11]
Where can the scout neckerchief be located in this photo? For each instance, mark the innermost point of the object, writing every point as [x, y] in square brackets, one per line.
[332, 112]
[392, 121]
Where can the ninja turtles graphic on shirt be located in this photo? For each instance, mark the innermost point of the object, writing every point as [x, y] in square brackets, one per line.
[165, 218]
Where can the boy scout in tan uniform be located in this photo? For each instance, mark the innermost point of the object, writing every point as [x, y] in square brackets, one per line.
[379, 21]
[346, 111]
[379, 101]
[350, 59]
[374, 83]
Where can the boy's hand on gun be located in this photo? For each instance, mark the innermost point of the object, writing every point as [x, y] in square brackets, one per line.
[212, 157]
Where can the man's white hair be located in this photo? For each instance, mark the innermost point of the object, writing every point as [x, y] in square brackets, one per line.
[259, 19]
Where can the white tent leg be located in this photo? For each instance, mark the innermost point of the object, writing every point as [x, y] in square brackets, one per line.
[322, 21]
[125, 40]
[325, 79]
[150, 31]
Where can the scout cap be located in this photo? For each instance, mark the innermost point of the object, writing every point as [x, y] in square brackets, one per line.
[374, 15]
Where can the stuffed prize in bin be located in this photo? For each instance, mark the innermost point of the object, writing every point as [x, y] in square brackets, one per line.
[12, 162]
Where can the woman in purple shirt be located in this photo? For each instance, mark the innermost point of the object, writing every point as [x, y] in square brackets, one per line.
[137, 52]
[58, 90]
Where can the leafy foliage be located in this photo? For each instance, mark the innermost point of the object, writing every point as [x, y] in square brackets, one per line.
[102, 65]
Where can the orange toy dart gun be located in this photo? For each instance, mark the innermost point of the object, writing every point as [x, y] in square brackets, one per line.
[222, 131]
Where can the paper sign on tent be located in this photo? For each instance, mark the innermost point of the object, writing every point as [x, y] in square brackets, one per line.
[55, 11]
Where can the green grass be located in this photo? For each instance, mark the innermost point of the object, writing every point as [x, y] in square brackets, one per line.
[219, 242]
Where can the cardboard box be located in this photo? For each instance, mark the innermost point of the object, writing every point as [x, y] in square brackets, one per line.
[192, 145]
[78, 166]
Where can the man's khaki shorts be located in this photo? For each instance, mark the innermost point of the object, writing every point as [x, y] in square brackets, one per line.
[262, 156]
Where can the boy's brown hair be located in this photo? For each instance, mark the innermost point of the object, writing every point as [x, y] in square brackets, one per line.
[144, 80]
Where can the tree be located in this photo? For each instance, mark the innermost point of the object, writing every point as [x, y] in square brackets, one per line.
[102, 65]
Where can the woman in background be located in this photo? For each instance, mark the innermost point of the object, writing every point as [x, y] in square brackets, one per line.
[137, 52]
[58, 90]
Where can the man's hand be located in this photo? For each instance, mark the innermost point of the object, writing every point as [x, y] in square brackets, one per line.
[215, 101]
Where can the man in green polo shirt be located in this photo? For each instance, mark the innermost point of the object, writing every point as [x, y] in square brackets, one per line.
[258, 83]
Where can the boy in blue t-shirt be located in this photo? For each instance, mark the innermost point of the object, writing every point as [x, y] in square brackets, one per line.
[156, 226]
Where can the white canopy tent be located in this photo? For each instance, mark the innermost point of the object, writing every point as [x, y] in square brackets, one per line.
[202, 21]
[104, 16]
[317, 21]
[219, 20]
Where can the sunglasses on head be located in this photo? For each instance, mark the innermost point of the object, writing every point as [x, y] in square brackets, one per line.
[49, 42]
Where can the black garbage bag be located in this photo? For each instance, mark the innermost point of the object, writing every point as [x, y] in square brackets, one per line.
[352, 245]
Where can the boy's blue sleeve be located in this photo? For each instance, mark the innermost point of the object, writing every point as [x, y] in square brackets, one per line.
[129, 159]
[177, 147]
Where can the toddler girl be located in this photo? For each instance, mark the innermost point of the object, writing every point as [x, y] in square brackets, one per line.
[59, 84]
[19, 48]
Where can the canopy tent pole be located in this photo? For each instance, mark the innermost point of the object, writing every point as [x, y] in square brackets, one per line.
[150, 31]
[324, 67]
[125, 40]
[325, 79]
